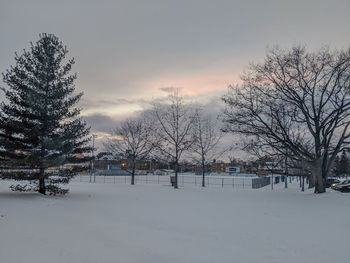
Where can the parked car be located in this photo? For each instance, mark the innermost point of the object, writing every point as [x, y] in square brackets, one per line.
[332, 181]
[343, 186]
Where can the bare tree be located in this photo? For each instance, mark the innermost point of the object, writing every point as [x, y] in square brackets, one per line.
[207, 135]
[174, 123]
[296, 102]
[132, 140]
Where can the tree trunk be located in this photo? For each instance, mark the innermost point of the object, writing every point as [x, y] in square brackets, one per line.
[285, 171]
[203, 174]
[318, 176]
[311, 178]
[302, 185]
[42, 187]
[271, 181]
[319, 184]
[285, 182]
[133, 173]
[311, 181]
[176, 169]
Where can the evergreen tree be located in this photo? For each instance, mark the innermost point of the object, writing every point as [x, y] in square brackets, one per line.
[342, 166]
[40, 126]
[335, 166]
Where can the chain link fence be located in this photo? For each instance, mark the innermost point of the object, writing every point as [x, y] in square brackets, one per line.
[183, 180]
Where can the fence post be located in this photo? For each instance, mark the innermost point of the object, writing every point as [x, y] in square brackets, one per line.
[222, 181]
[233, 182]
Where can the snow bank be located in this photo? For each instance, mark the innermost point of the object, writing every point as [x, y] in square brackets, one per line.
[155, 223]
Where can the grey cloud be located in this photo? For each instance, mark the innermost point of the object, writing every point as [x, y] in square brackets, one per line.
[99, 105]
[168, 89]
[101, 123]
[120, 44]
[123, 47]
[91, 103]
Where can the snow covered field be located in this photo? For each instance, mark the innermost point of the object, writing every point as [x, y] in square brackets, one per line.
[155, 223]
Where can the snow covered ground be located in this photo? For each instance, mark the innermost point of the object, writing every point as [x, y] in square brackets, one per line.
[155, 223]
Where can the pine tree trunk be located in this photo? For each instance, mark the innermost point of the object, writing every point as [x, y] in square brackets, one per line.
[42, 187]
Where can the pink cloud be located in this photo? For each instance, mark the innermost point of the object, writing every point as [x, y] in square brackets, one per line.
[194, 85]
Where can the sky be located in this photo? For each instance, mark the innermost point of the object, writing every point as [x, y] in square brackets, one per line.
[129, 53]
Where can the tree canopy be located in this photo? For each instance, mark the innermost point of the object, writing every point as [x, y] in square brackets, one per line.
[295, 103]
